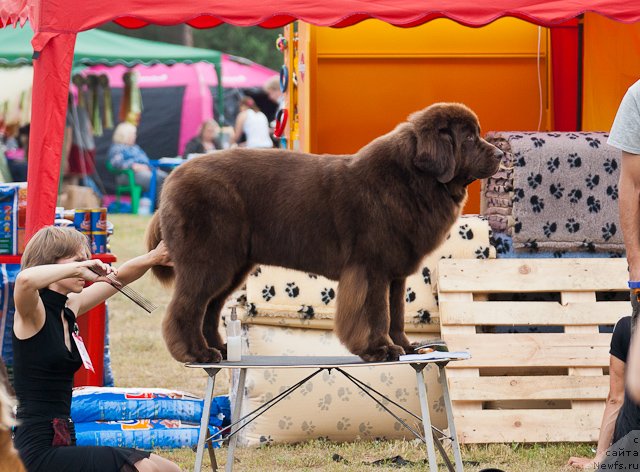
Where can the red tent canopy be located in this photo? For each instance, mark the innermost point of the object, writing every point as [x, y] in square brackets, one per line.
[65, 16]
[56, 23]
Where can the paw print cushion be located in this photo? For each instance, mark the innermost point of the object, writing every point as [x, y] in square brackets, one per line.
[563, 192]
[328, 405]
[287, 294]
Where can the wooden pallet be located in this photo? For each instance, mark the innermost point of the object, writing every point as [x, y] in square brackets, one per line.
[529, 387]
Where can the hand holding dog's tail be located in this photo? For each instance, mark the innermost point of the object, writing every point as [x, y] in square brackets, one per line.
[163, 273]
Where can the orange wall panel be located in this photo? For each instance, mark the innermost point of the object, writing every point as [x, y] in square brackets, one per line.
[611, 50]
[363, 80]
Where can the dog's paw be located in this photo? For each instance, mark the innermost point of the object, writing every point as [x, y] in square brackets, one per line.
[390, 352]
[204, 356]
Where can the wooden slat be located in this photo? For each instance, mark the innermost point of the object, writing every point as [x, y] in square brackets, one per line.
[491, 426]
[581, 297]
[531, 275]
[581, 350]
[548, 387]
[536, 349]
[467, 372]
[532, 313]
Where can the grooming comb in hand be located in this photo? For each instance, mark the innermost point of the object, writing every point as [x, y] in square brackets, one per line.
[128, 292]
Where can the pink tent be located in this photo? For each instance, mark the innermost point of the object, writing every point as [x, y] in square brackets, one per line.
[198, 80]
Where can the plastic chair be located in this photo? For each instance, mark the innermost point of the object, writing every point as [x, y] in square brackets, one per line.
[130, 187]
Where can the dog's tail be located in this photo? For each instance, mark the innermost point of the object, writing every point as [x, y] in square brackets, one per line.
[164, 274]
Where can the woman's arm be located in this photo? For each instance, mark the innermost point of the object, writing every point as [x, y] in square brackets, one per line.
[633, 368]
[615, 398]
[242, 116]
[129, 272]
[629, 205]
[29, 308]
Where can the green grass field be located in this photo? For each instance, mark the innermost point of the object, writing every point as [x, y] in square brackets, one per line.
[139, 359]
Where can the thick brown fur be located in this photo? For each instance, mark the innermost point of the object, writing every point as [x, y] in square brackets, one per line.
[366, 220]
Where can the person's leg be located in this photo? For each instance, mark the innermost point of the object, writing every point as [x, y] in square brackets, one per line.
[143, 178]
[155, 463]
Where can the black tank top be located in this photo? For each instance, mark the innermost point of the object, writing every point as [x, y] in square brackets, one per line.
[43, 366]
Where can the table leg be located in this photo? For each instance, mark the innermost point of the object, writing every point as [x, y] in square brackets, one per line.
[204, 421]
[235, 416]
[426, 420]
[452, 428]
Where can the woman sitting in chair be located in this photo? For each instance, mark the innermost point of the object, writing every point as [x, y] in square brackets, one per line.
[125, 154]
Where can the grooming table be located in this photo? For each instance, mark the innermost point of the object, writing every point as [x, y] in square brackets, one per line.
[329, 363]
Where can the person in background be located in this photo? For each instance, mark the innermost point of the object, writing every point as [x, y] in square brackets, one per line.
[272, 88]
[625, 136]
[205, 141]
[124, 153]
[49, 294]
[254, 124]
[614, 423]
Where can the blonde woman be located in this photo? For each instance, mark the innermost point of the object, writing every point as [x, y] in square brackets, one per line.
[124, 153]
[49, 294]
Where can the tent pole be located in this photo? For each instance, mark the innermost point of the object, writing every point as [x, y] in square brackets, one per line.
[53, 59]
[220, 99]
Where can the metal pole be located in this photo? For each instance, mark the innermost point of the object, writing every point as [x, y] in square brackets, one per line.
[204, 421]
[235, 414]
[426, 418]
[452, 427]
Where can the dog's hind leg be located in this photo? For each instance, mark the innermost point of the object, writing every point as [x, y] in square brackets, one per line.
[396, 310]
[362, 316]
[182, 326]
[210, 326]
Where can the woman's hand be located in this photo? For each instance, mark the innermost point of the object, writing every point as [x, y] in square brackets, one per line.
[94, 270]
[160, 255]
[584, 462]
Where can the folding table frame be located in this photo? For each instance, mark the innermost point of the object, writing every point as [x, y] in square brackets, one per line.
[322, 363]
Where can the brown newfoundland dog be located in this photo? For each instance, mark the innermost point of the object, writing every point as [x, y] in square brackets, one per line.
[365, 220]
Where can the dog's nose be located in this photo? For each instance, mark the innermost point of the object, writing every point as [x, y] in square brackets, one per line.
[498, 154]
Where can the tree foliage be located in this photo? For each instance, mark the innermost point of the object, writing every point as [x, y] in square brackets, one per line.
[255, 43]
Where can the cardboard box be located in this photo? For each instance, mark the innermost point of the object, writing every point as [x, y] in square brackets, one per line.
[77, 196]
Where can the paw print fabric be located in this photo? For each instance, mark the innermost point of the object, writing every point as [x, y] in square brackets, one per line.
[275, 292]
[561, 193]
[328, 405]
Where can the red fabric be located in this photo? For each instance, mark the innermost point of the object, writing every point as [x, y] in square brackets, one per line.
[566, 76]
[51, 75]
[64, 15]
[14, 12]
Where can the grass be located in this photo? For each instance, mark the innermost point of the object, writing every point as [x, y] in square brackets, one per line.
[140, 359]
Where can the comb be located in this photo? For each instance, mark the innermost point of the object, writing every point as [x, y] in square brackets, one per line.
[128, 292]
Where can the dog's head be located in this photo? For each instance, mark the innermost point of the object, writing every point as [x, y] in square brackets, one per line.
[449, 146]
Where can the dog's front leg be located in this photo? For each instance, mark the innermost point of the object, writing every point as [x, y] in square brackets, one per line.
[211, 324]
[396, 310]
[183, 323]
[362, 316]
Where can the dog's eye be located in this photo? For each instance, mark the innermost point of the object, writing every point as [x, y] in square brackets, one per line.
[471, 138]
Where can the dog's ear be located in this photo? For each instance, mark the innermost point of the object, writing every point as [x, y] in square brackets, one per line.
[434, 151]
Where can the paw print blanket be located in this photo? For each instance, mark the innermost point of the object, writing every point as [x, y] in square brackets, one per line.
[561, 195]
